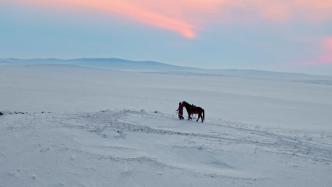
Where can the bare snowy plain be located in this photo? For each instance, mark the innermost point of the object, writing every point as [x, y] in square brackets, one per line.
[74, 125]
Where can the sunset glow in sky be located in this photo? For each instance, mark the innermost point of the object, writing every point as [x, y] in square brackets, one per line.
[263, 34]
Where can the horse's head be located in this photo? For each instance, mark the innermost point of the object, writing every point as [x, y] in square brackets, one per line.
[185, 104]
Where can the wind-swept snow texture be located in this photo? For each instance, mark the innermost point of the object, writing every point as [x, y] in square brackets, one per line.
[138, 148]
[77, 126]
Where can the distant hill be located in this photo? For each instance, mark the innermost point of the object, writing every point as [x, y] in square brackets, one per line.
[104, 63]
[118, 64]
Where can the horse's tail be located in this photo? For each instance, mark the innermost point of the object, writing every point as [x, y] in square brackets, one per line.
[203, 116]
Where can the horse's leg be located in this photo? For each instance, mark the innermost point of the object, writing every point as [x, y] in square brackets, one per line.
[203, 115]
[199, 116]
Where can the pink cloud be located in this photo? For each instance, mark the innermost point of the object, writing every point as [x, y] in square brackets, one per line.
[187, 17]
[129, 9]
[326, 57]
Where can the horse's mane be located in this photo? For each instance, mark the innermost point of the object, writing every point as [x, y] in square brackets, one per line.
[188, 104]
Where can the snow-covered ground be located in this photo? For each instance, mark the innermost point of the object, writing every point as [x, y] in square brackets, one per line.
[74, 126]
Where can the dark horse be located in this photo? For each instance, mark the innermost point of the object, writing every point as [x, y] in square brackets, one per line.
[192, 109]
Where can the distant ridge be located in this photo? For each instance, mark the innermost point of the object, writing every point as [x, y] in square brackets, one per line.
[119, 64]
[105, 63]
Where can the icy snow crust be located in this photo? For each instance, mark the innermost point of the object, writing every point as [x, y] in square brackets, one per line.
[138, 148]
[72, 126]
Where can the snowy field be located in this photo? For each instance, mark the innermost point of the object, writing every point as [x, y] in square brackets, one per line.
[79, 126]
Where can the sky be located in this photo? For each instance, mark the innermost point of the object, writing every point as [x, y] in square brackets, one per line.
[277, 35]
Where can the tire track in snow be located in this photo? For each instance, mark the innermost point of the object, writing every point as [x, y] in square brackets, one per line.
[282, 144]
[270, 142]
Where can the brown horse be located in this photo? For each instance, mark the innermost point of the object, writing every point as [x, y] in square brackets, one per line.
[192, 109]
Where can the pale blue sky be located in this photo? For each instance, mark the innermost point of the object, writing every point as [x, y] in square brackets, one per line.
[34, 32]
